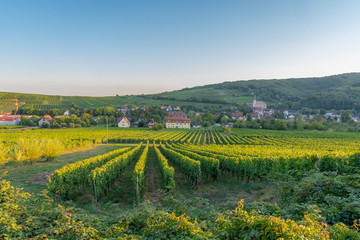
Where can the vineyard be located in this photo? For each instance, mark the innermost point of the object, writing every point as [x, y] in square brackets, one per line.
[184, 184]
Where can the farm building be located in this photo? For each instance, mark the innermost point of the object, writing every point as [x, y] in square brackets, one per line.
[10, 120]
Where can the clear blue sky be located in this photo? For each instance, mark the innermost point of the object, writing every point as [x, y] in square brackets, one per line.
[88, 47]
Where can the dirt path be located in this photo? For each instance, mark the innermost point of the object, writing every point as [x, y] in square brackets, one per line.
[152, 179]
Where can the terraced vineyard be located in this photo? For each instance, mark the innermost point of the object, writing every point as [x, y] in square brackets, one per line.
[297, 170]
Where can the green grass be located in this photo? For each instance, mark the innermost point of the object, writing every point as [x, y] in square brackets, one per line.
[26, 175]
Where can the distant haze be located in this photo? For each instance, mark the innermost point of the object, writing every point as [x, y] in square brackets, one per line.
[102, 48]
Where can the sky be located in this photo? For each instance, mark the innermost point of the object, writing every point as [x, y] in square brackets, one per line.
[103, 48]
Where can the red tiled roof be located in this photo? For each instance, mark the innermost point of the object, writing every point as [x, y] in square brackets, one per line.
[47, 117]
[6, 119]
[119, 120]
[178, 120]
[237, 114]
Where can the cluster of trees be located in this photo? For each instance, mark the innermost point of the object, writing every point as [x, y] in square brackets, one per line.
[30, 150]
[72, 121]
[151, 113]
[280, 124]
[84, 117]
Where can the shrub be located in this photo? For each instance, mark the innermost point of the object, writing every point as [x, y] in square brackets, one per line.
[158, 126]
[51, 148]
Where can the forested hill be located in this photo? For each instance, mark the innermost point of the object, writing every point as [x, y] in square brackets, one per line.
[332, 92]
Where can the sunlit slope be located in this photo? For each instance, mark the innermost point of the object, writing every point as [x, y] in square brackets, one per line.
[331, 92]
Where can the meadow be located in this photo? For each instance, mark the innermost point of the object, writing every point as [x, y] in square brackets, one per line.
[182, 184]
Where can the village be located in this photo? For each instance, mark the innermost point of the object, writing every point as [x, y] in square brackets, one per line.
[258, 115]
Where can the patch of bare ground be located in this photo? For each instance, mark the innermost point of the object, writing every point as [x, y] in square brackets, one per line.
[40, 178]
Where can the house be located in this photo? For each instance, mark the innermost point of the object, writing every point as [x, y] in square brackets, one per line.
[177, 108]
[67, 113]
[177, 114]
[10, 120]
[292, 116]
[252, 115]
[356, 119]
[151, 123]
[123, 122]
[169, 108]
[177, 122]
[320, 119]
[237, 115]
[46, 119]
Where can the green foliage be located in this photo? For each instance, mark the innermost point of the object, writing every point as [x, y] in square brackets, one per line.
[209, 165]
[18, 155]
[31, 148]
[335, 195]
[45, 125]
[139, 174]
[240, 124]
[105, 174]
[73, 176]
[166, 171]
[242, 225]
[157, 126]
[345, 116]
[189, 166]
[51, 148]
[141, 124]
[26, 216]
[25, 121]
[4, 152]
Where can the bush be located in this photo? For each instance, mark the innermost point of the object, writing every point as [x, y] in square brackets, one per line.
[18, 155]
[45, 125]
[31, 148]
[52, 148]
[158, 126]
[3, 154]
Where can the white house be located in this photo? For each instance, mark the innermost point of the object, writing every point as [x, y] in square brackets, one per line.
[46, 119]
[123, 122]
[67, 113]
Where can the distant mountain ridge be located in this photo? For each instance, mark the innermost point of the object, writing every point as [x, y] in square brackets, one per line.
[336, 92]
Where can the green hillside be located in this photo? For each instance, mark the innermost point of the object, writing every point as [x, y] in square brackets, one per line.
[332, 92]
